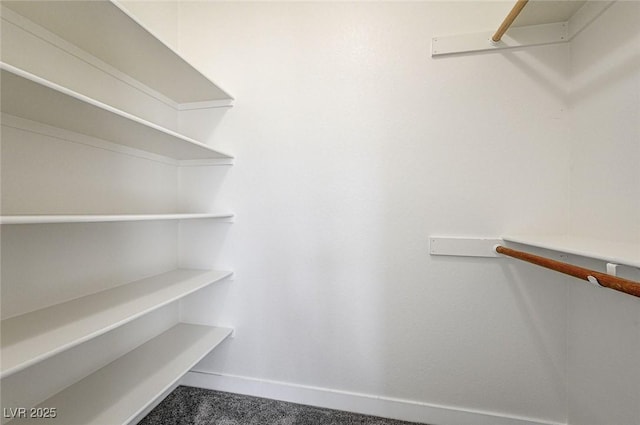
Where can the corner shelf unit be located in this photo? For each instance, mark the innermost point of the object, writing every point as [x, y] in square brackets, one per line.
[627, 254]
[32, 337]
[33, 98]
[613, 253]
[116, 46]
[550, 22]
[125, 389]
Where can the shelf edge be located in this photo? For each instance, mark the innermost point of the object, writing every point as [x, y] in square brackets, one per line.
[111, 218]
[61, 43]
[107, 108]
[205, 338]
[116, 324]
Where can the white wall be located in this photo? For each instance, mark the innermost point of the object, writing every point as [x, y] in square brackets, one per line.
[159, 17]
[604, 326]
[354, 146]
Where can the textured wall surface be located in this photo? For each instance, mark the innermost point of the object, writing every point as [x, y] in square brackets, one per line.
[354, 146]
[604, 326]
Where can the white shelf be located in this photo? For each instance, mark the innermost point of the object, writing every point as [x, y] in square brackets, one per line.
[613, 252]
[120, 391]
[540, 23]
[104, 30]
[101, 46]
[547, 12]
[104, 218]
[33, 337]
[30, 97]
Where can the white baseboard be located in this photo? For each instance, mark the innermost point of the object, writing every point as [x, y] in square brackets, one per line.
[406, 410]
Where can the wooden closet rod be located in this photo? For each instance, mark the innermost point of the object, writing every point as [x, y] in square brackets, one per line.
[603, 279]
[517, 8]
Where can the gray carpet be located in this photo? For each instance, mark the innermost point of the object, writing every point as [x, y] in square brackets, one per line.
[197, 406]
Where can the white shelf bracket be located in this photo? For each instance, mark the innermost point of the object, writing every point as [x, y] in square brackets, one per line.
[612, 269]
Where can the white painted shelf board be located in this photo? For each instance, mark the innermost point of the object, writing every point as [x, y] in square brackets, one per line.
[118, 392]
[32, 337]
[103, 29]
[614, 252]
[30, 97]
[547, 12]
[104, 218]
